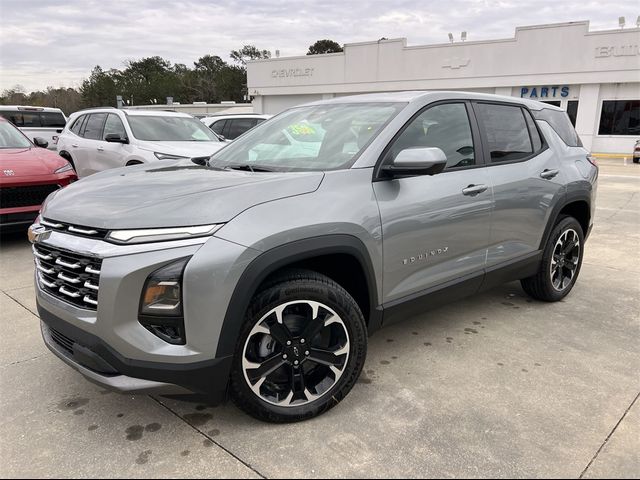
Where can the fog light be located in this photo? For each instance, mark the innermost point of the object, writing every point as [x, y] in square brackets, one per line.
[161, 303]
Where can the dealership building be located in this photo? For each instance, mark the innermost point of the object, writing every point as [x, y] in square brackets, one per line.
[593, 75]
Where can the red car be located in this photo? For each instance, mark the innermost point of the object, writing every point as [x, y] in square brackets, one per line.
[27, 175]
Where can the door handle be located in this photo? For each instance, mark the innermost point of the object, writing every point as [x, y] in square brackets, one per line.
[74, 145]
[474, 189]
[100, 149]
[549, 174]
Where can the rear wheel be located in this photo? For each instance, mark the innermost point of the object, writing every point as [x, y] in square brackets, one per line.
[561, 262]
[68, 158]
[301, 349]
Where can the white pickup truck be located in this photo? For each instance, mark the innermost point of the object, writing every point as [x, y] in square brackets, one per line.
[44, 122]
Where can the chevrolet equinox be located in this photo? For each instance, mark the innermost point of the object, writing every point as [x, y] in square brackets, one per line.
[260, 271]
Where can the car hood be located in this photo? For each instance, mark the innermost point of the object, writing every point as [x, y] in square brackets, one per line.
[175, 194]
[29, 162]
[184, 149]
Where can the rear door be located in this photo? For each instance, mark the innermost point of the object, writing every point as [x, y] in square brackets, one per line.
[90, 139]
[526, 179]
[435, 229]
[111, 154]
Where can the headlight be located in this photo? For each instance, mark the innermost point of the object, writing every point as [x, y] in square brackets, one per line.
[161, 303]
[66, 168]
[167, 156]
[162, 234]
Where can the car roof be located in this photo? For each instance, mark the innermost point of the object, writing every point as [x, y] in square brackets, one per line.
[224, 116]
[28, 108]
[432, 95]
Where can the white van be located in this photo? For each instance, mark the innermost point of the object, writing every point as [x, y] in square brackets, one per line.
[34, 122]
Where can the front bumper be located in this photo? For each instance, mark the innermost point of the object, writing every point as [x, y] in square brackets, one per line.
[102, 365]
[109, 346]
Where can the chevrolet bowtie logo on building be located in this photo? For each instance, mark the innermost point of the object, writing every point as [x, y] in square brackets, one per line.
[8, 173]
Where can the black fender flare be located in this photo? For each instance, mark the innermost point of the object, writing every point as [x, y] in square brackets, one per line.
[272, 260]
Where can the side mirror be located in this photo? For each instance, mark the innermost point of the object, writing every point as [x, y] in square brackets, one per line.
[417, 161]
[40, 142]
[115, 138]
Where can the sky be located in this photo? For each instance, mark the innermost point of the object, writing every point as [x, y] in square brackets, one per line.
[57, 43]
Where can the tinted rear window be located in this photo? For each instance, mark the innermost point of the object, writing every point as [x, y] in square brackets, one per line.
[52, 119]
[560, 122]
[507, 132]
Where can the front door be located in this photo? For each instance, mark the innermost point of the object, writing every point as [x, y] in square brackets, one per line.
[435, 229]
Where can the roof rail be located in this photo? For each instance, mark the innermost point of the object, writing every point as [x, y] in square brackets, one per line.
[96, 108]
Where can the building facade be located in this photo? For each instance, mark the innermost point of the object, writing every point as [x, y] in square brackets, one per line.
[594, 75]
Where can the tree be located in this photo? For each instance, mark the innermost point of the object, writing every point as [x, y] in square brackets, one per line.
[324, 46]
[248, 52]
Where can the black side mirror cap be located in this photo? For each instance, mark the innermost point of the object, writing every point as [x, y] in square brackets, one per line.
[115, 138]
[40, 142]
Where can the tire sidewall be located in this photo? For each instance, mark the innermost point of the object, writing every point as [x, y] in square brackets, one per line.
[567, 223]
[335, 298]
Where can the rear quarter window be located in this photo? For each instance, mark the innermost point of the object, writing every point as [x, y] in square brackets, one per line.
[52, 119]
[561, 124]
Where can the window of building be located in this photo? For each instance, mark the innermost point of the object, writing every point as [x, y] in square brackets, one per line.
[572, 111]
[620, 117]
[555, 103]
[506, 130]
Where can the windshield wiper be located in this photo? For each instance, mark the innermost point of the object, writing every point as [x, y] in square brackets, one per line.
[249, 168]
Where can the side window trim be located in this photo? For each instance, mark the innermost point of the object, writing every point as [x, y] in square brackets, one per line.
[485, 141]
[478, 141]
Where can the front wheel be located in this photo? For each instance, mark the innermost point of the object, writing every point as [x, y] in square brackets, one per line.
[561, 262]
[301, 349]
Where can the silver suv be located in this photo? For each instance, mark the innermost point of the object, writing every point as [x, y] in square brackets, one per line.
[260, 271]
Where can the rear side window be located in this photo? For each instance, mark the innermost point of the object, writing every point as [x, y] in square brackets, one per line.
[533, 131]
[77, 125]
[14, 117]
[218, 126]
[93, 128]
[560, 122]
[240, 125]
[506, 130]
[52, 119]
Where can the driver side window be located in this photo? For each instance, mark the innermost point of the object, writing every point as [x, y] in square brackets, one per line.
[444, 126]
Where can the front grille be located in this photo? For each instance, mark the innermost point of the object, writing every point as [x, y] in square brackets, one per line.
[68, 276]
[74, 229]
[12, 197]
[62, 341]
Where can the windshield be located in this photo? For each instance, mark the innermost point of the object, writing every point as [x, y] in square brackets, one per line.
[317, 137]
[170, 129]
[11, 137]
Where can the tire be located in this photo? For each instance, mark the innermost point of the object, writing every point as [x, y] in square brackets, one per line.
[280, 391]
[636, 160]
[550, 287]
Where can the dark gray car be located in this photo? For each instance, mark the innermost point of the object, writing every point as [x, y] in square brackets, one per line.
[261, 271]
